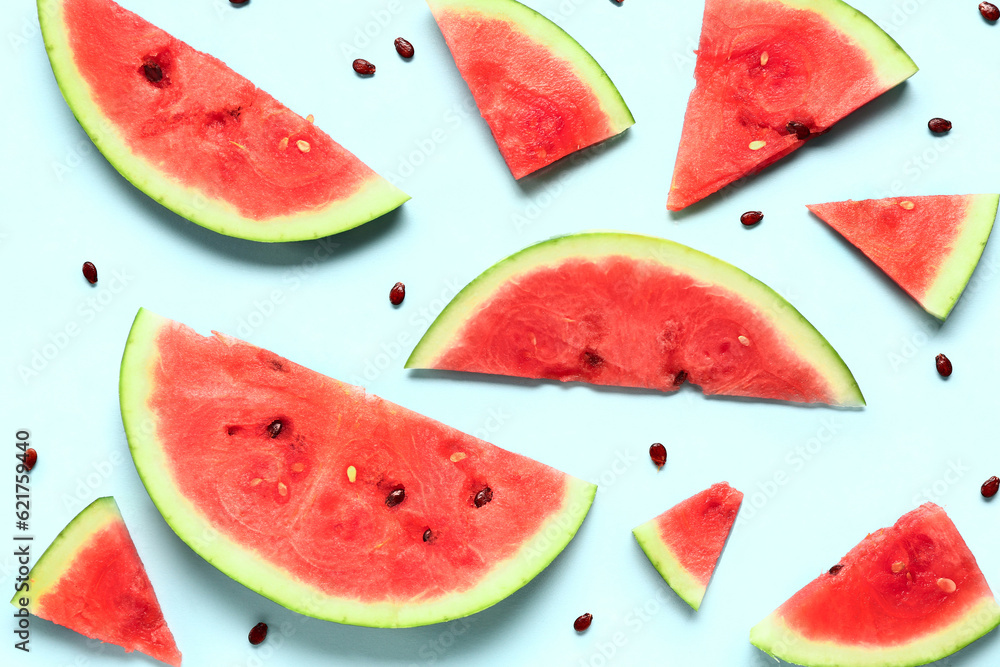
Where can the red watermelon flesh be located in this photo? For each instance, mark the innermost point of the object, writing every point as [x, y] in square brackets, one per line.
[929, 245]
[764, 63]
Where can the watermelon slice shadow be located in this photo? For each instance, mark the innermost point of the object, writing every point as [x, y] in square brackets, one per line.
[545, 178]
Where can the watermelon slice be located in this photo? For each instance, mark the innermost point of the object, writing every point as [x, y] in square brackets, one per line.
[763, 64]
[906, 595]
[685, 542]
[328, 500]
[635, 311]
[929, 245]
[541, 93]
[91, 580]
[198, 137]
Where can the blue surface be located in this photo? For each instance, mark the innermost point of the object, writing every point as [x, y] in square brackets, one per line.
[324, 304]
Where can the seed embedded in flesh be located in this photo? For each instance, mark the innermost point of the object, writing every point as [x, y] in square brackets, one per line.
[907, 205]
[258, 633]
[396, 497]
[274, 428]
[283, 144]
[658, 453]
[483, 497]
[898, 567]
[428, 535]
[939, 125]
[751, 218]
[990, 486]
[457, 456]
[764, 58]
[800, 130]
[303, 145]
[583, 622]
[403, 47]
[680, 378]
[352, 474]
[152, 70]
[943, 364]
[744, 341]
[310, 119]
[255, 481]
[836, 568]
[363, 67]
[397, 294]
[946, 585]
[593, 359]
[90, 272]
[298, 467]
[31, 458]
[282, 489]
[989, 11]
[757, 145]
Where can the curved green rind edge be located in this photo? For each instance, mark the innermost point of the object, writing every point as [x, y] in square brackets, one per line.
[957, 269]
[59, 556]
[774, 637]
[375, 197]
[802, 337]
[666, 563]
[546, 33]
[242, 564]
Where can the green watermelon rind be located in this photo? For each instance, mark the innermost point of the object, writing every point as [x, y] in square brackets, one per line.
[774, 637]
[685, 584]
[59, 556]
[241, 564]
[375, 198]
[546, 33]
[802, 337]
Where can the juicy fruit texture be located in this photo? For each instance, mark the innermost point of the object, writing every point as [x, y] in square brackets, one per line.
[634, 311]
[326, 499]
[685, 542]
[541, 93]
[906, 595]
[769, 72]
[198, 137]
[929, 245]
[91, 580]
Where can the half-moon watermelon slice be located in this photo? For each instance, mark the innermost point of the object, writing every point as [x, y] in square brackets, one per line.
[685, 542]
[906, 595]
[199, 138]
[541, 93]
[91, 581]
[929, 245]
[634, 311]
[771, 74]
[326, 499]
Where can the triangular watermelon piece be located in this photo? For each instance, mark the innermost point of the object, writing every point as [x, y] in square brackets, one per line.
[541, 93]
[906, 595]
[929, 245]
[685, 542]
[199, 138]
[91, 580]
[771, 74]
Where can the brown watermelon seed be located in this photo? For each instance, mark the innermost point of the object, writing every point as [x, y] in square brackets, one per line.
[658, 453]
[403, 47]
[363, 67]
[428, 535]
[939, 125]
[274, 428]
[751, 218]
[583, 622]
[836, 569]
[592, 359]
[90, 272]
[680, 378]
[31, 458]
[397, 294]
[483, 497]
[241, 2]
[990, 486]
[800, 130]
[989, 11]
[898, 567]
[943, 364]
[258, 633]
[397, 496]
[152, 70]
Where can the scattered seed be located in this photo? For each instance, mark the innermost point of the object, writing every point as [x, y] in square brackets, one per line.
[310, 119]
[943, 364]
[757, 145]
[836, 568]
[907, 205]
[31, 458]
[800, 130]
[258, 633]
[990, 486]
[298, 467]
[946, 585]
[303, 145]
[397, 294]
[751, 218]
[680, 378]
[403, 47]
[396, 497]
[483, 497]
[583, 622]
[282, 489]
[152, 70]
[989, 11]
[352, 474]
[898, 567]
[457, 456]
[938, 125]
[90, 272]
[274, 428]
[428, 535]
[283, 144]
[363, 67]
[658, 453]
[243, 2]
[764, 58]
[255, 481]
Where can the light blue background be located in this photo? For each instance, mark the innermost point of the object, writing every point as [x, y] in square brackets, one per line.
[920, 437]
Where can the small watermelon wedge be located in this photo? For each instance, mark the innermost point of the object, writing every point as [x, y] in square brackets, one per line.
[905, 596]
[199, 138]
[91, 581]
[541, 93]
[327, 499]
[685, 542]
[620, 309]
[929, 245]
[771, 74]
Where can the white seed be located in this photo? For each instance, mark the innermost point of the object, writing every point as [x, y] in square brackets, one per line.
[298, 467]
[352, 474]
[282, 489]
[908, 205]
[757, 145]
[283, 144]
[310, 118]
[255, 481]
[764, 58]
[946, 585]
[457, 456]
[898, 567]
[303, 145]
[744, 340]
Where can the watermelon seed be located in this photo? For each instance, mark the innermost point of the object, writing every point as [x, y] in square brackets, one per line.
[283, 144]
[989, 11]
[363, 67]
[680, 378]
[397, 294]
[751, 218]
[303, 145]
[800, 130]
[939, 125]
[152, 70]
[744, 341]
[31, 458]
[310, 119]
[946, 585]
[259, 632]
[298, 467]
[397, 496]
[428, 535]
[583, 622]
[90, 272]
[457, 456]
[757, 145]
[990, 486]
[483, 497]
[243, 2]
[274, 428]
[898, 567]
[403, 48]
[658, 453]
[282, 489]
[764, 58]
[352, 474]
[836, 569]
[907, 205]
[592, 359]
[255, 481]
[943, 364]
